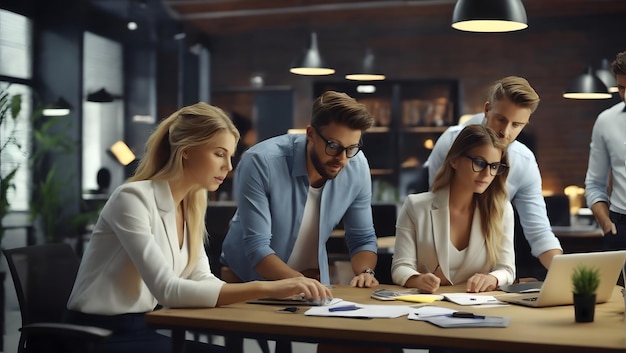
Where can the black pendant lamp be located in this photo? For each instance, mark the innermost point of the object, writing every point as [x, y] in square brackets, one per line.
[587, 86]
[367, 70]
[100, 96]
[60, 107]
[606, 75]
[489, 16]
[311, 62]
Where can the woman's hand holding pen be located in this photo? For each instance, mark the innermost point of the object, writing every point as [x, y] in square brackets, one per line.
[425, 282]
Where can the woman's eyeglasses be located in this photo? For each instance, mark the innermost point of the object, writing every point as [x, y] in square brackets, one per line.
[479, 164]
[334, 149]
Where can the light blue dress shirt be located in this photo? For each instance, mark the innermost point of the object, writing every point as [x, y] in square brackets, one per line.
[523, 185]
[607, 154]
[271, 186]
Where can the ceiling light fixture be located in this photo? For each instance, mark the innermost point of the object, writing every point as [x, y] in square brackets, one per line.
[367, 71]
[587, 86]
[59, 108]
[311, 62]
[489, 16]
[100, 96]
[606, 75]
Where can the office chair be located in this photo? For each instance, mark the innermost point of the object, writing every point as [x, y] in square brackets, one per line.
[43, 276]
[384, 217]
[217, 221]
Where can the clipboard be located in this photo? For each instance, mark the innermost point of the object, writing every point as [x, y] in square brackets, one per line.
[451, 322]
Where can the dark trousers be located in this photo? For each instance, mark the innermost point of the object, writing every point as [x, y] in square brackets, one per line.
[616, 241]
[131, 334]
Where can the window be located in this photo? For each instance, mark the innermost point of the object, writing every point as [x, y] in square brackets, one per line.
[103, 123]
[16, 73]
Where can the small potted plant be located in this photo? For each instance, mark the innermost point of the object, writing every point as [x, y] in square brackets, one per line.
[585, 281]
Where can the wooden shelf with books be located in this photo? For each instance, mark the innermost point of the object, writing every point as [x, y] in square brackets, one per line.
[409, 116]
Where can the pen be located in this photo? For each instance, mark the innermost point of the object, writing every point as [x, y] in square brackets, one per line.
[465, 315]
[428, 270]
[344, 308]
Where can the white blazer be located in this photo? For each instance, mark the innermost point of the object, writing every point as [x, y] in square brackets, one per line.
[133, 260]
[423, 237]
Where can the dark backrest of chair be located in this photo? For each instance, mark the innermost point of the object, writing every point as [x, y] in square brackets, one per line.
[558, 210]
[421, 182]
[384, 218]
[217, 222]
[43, 276]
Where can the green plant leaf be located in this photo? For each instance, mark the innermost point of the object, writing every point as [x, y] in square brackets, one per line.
[585, 280]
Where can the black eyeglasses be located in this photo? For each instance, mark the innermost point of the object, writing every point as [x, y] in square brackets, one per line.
[479, 164]
[334, 149]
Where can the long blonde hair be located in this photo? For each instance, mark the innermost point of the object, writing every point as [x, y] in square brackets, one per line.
[191, 126]
[490, 203]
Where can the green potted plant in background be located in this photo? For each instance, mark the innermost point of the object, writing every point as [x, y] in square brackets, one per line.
[585, 282]
[47, 200]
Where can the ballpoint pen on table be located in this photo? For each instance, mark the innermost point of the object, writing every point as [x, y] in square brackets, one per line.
[465, 315]
[428, 270]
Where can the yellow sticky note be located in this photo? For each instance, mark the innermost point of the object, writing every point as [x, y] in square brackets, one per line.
[420, 298]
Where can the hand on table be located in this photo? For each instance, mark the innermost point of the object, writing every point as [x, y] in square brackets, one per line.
[481, 282]
[364, 280]
[307, 287]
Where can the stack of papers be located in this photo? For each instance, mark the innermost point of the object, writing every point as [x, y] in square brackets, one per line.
[442, 317]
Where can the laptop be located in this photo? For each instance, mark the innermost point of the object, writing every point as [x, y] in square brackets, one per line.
[557, 286]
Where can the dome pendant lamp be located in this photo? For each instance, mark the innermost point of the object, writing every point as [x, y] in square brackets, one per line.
[489, 16]
[587, 86]
[100, 96]
[606, 75]
[311, 62]
[59, 108]
[367, 71]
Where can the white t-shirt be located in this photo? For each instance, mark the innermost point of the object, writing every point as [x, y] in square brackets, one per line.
[304, 255]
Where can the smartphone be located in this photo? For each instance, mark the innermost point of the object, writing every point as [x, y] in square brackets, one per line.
[288, 310]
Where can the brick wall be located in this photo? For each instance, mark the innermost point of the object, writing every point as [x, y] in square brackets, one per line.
[550, 53]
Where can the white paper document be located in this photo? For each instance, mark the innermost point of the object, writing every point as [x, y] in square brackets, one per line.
[360, 310]
[425, 312]
[471, 299]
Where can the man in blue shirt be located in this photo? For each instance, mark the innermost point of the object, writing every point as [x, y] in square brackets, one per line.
[291, 192]
[510, 103]
[607, 159]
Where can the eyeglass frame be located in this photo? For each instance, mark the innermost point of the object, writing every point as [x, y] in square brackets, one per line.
[501, 167]
[340, 148]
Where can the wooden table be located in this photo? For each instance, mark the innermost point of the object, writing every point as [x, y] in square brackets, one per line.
[531, 329]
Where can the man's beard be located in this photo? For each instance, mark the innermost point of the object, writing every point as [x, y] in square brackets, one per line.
[320, 167]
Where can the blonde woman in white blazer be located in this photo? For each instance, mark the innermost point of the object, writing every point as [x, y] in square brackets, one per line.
[147, 247]
[462, 231]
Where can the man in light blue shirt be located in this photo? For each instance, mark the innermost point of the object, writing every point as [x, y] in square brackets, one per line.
[510, 103]
[607, 159]
[292, 191]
